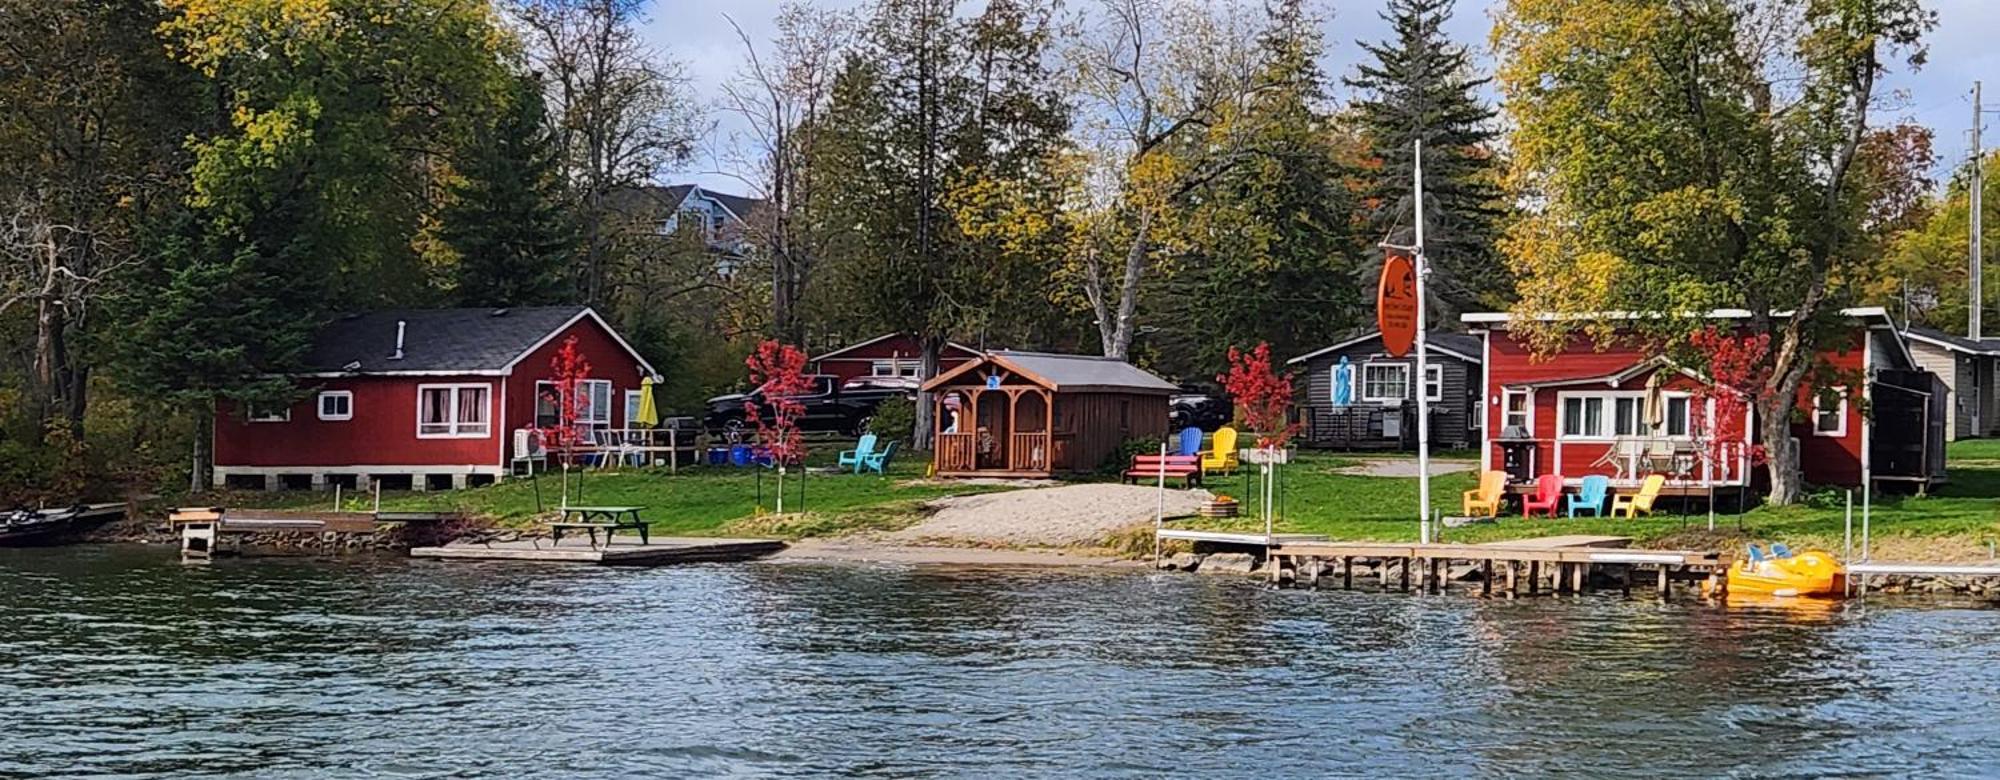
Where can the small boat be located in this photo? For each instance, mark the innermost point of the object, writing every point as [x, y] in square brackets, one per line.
[24, 527]
[1811, 573]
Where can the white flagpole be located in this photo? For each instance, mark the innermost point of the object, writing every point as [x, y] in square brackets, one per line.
[1423, 363]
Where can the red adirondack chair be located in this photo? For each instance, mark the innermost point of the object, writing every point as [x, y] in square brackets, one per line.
[1548, 493]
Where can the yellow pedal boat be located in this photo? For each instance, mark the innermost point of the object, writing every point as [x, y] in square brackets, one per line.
[1811, 573]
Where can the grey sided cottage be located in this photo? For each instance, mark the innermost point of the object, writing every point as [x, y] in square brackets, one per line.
[1370, 402]
[1969, 367]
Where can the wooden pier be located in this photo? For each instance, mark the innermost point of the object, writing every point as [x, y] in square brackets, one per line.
[1557, 564]
[204, 531]
[623, 551]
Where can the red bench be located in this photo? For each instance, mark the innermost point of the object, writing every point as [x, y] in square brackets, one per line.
[1186, 468]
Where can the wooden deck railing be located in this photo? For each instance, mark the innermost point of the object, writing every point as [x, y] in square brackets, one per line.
[957, 452]
[1028, 452]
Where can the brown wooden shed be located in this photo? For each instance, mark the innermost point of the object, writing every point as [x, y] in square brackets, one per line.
[1032, 414]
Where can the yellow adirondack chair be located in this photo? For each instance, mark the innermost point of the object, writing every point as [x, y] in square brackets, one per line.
[1485, 501]
[1221, 455]
[1641, 501]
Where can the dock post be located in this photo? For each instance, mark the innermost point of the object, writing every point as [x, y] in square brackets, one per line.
[1486, 577]
[1579, 573]
[1406, 573]
[1534, 577]
[1513, 579]
[1663, 582]
[1382, 568]
[1347, 572]
[1436, 580]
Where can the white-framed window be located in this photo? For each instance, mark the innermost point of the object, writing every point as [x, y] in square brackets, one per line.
[1385, 383]
[1514, 408]
[895, 367]
[1830, 421]
[336, 405]
[595, 412]
[1433, 382]
[631, 407]
[269, 413]
[1609, 415]
[454, 411]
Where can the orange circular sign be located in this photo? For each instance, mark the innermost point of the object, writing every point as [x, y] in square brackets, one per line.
[1396, 305]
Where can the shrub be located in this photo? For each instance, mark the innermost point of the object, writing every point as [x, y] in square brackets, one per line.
[894, 420]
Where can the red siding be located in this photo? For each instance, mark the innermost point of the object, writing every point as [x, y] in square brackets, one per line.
[1826, 459]
[383, 431]
[861, 360]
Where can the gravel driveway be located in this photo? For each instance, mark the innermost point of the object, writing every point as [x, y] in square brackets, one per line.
[1045, 517]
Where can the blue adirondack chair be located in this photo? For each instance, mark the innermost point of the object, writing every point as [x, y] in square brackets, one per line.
[1591, 495]
[861, 452]
[1190, 441]
[878, 461]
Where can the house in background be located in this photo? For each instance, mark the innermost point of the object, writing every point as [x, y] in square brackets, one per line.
[425, 399]
[888, 355]
[1623, 412]
[723, 219]
[1381, 405]
[1969, 367]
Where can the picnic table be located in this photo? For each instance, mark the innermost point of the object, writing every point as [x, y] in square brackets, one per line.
[591, 518]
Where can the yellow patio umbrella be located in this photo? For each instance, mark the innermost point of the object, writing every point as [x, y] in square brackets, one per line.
[648, 415]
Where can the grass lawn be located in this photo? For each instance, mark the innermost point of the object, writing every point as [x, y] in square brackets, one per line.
[1972, 449]
[697, 501]
[1956, 522]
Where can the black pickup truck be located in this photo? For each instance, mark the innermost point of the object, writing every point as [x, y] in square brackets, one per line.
[830, 406]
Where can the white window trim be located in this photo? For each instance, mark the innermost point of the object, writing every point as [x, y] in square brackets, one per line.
[1433, 368]
[1527, 409]
[284, 414]
[1361, 378]
[1611, 415]
[319, 405]
[452, 413]
[1839, 432]
[583, 386]
[599, 417]
[632, 400]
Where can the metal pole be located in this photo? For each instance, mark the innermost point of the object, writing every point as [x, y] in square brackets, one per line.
[1423, 369]
[1160, 506]
[1847, 539]
[1976, 298]
[336, 496]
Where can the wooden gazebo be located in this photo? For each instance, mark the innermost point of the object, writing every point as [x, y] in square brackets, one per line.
[1032, 414]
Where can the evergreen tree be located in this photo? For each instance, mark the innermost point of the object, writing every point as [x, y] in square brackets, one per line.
[506, 220]
[1273, 234]
[1420, 86]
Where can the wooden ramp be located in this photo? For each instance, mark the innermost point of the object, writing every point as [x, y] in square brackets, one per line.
[620, 551]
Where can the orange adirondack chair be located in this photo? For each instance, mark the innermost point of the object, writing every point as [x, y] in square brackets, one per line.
[1548, 493]
[1485, 501]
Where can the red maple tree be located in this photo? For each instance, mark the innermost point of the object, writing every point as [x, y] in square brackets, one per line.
[1264, 395]
[1739, 370]
[779, 372]
[567, 371]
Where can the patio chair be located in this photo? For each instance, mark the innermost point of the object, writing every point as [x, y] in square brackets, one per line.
[1190, 443]
[878, 461]
[1590, 495]
[861, 452]
[1632, 505]
[1548, 496]
[1221, 455]
[1485, 501]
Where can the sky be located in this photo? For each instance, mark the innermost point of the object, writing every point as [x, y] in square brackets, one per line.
[1939, 96]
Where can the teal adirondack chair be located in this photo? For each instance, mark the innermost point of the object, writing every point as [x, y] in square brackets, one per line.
[863, 450]
[1591, 495]
[878, 461]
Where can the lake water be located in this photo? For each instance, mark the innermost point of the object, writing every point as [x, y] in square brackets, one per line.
[124, 662]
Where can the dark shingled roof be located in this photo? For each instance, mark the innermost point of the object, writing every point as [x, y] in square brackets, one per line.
[1463, 344]
[655, 202]
[1087, 372]
[1960, 343]
[434, 340]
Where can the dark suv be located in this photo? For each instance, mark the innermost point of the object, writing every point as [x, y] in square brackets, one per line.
[830, 406]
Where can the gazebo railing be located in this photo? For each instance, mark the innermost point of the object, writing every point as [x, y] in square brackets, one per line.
[957, 452]
[1028, 451]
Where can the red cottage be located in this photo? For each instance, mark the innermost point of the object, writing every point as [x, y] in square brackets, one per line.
[1589, 411]
[432, 398]
[888, 355]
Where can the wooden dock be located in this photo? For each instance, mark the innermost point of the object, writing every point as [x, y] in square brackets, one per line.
[621, 551]
[1564, 562]
[203, 530]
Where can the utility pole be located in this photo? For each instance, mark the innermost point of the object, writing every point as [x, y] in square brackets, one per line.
[1976, 304]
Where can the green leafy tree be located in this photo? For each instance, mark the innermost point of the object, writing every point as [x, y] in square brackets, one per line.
[1687, 156]
[1421, 86]
[507, 220]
